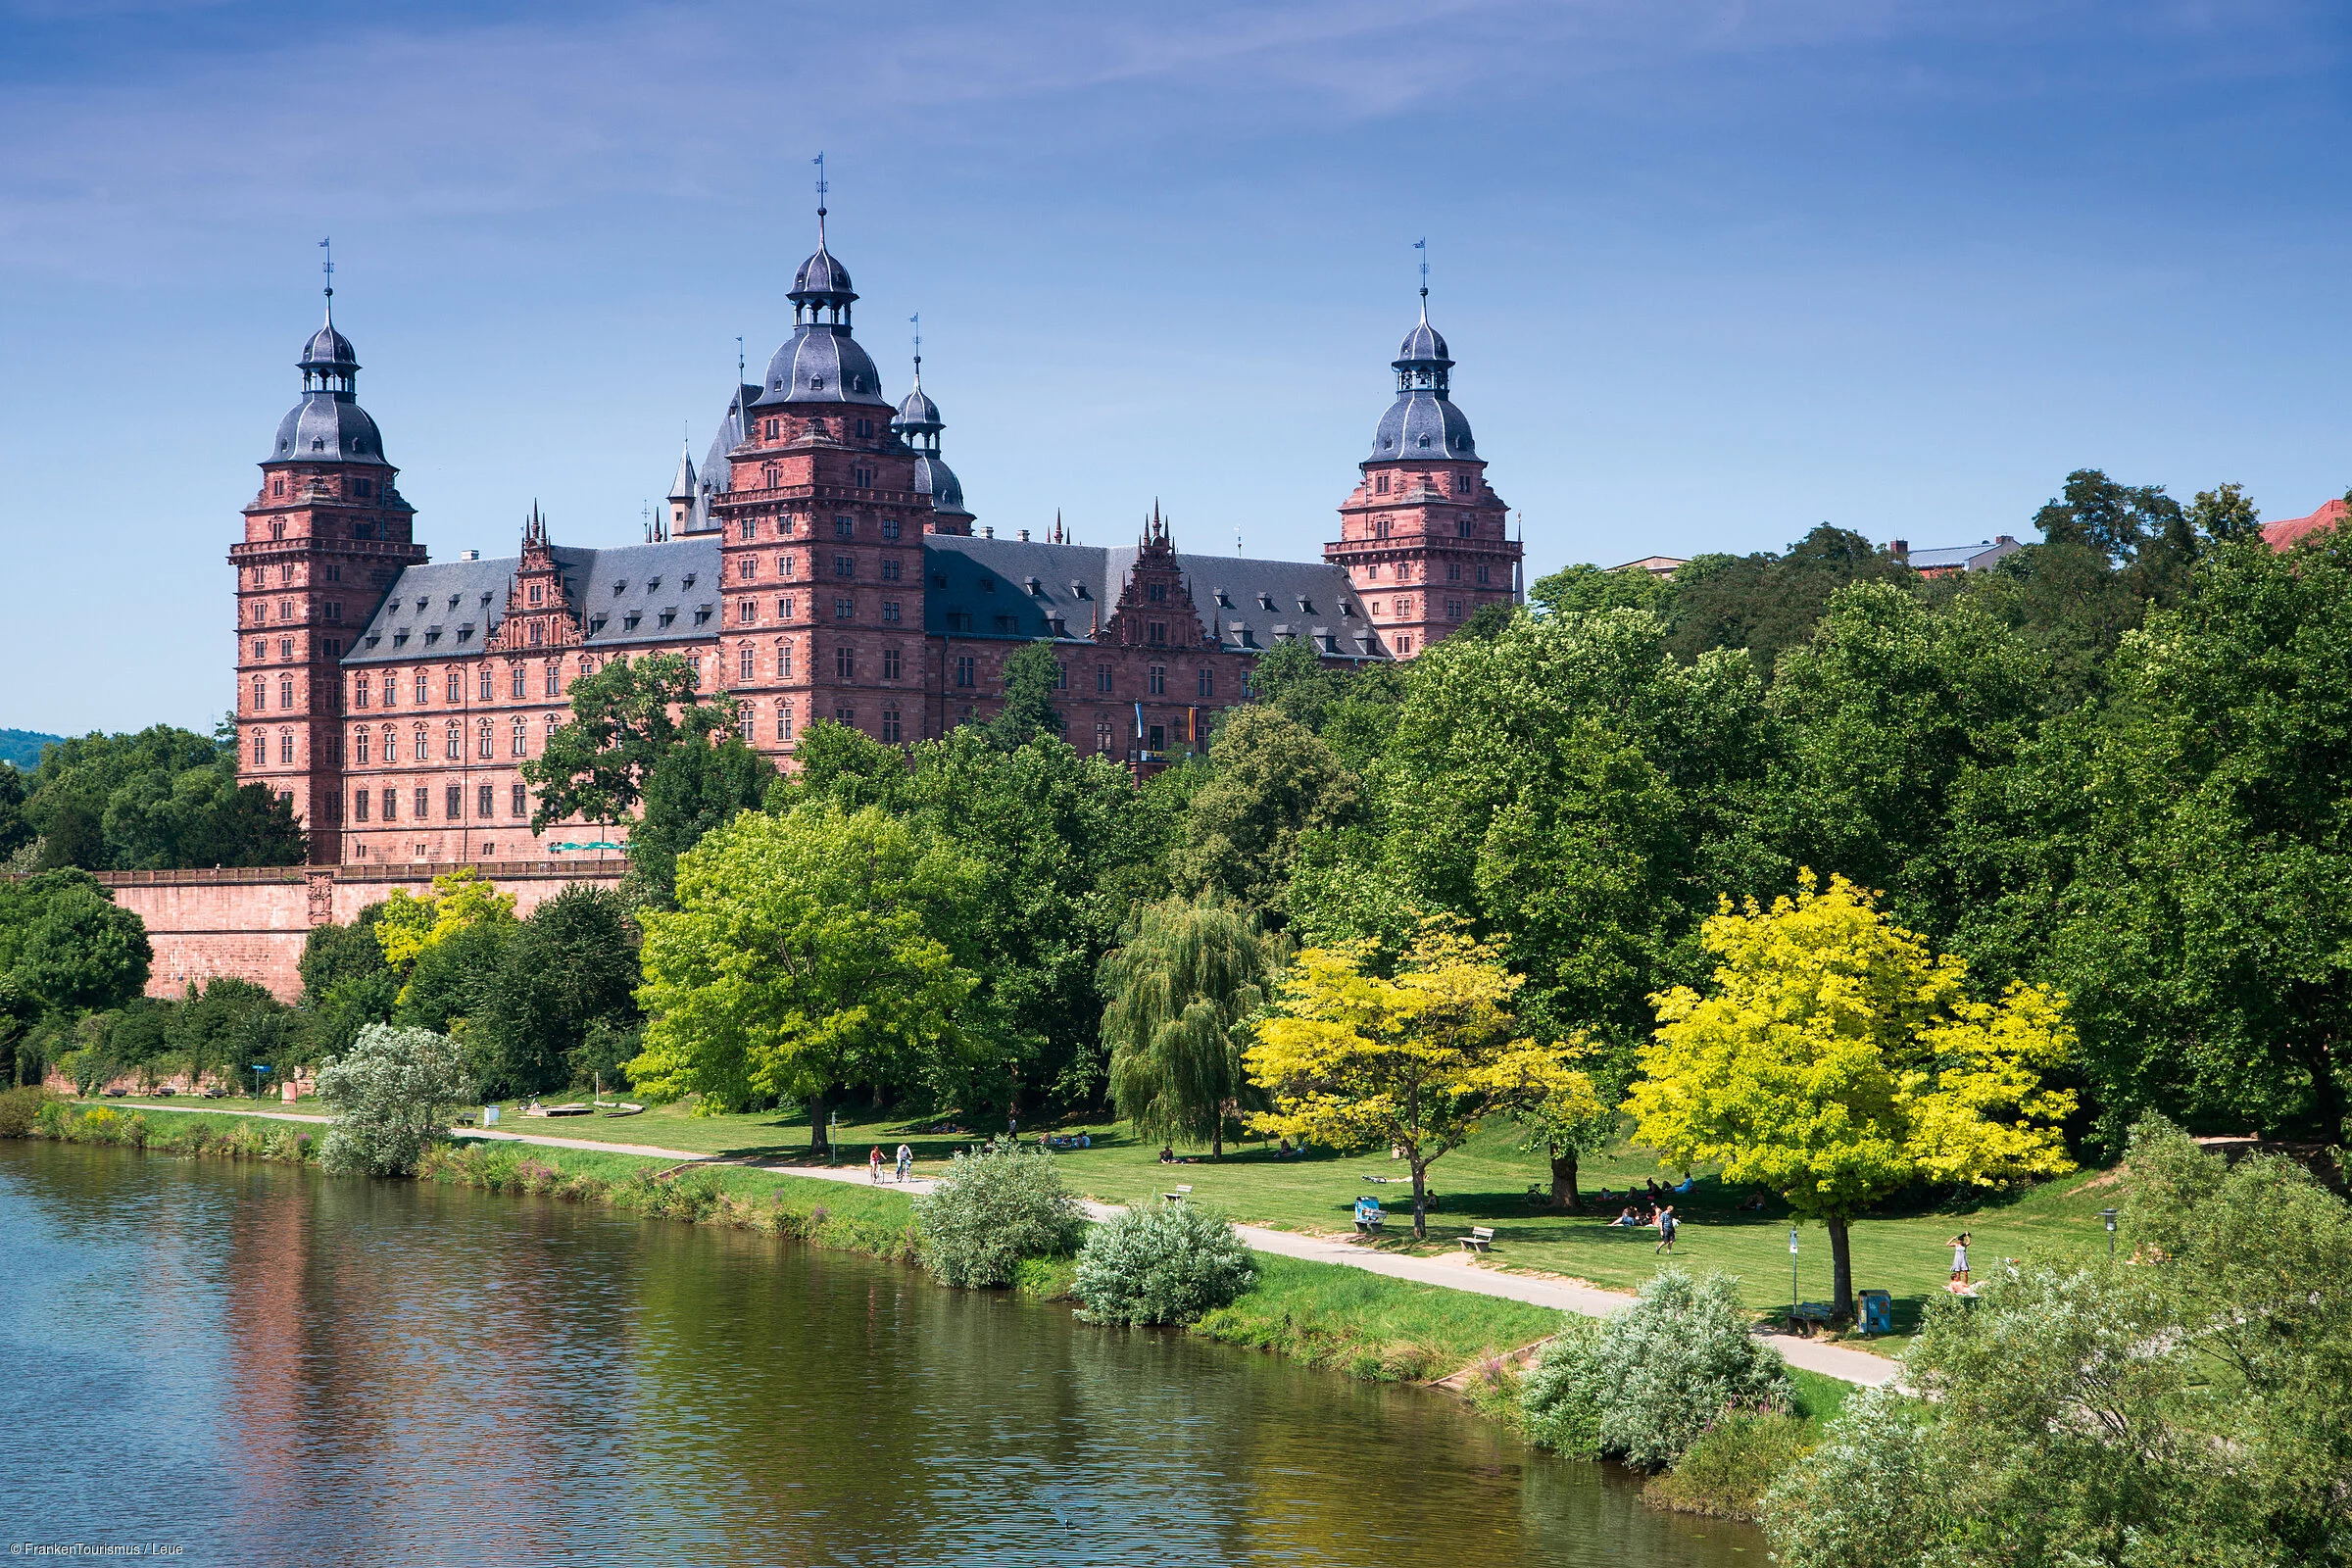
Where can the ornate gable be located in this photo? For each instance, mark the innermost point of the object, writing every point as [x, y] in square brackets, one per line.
[538, 615]
[1155, 609]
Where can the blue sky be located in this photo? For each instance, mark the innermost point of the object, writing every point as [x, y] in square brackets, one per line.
[1713, 272]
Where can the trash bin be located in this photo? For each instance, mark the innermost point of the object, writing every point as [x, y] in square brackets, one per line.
[1878, 1313]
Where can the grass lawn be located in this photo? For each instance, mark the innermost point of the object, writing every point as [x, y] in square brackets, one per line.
[1901, 1250]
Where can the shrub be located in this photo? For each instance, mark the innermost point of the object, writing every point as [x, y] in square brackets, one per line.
[18, 1109]
[1677, 1360]
[1729, 1467]
[992, 1209]
[1864, 1498]
[1163, 1264]
[392, 1089]
[1560, 1398]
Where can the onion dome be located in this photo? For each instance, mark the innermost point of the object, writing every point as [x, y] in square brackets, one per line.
[327, 426]
[821, 362]
[934, 478]
[917, 414]
[821, 276]
[1423, 421]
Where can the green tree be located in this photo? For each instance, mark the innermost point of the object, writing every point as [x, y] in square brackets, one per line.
[2205, 934]
[1764, 603]
[568, 966]
[1580, 589]
[1032, 675]
[1181, 991]
[1835, 1060]
[690, 789]
[1274, 780]
[808, 951]
[68, 946]
[161, 798]
[392, 1093]
[625, 718]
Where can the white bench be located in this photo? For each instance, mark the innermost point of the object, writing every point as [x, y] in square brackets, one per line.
[1178, 1196]
[1481, 1238]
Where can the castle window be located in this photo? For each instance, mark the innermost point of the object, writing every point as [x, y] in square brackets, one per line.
[865, 427]
[482, 686]
[746, 610]
[890, 663]
[844, 566]
[548, 721]
[391, 803]
[783, 661]
[783, 720]
[453, 743]
[693, 668]
[552, 679]
[454, 685]
[1453, 610]
[817, 383]
[1207, 683]
[1062, 676]
[421, 750]
[1157, 592]
[424, 802]
[358, 691]
[1159, 680]
[890, 725]
[846, 717]
[278, 528]
[453, 802]
[1008, 624]
[485, 803]
[277, 486]
[744, 663]
[890, 609]
[518, 800]
[771, 434]
[890, 569]
[537, 592]
[261, 748]
[845, 527]
[845, 661]
[363, 487]
[285, 692]
[748, 568]
[890, 528]
[1481, 574]
[1380, 485]
[359, 801]
[1454, 571]
[481, 743]
[425, 689]
[785, 568]
[359, 746]
[744, 526]
[1101, 734]
[1461, 484]
[1101, 677]
[844, 608]
[748, 724]
[1158, 633]
[516, 746]
[1462, 528]
[786, 607]
[538, 633]
[515, 683]
[964, 675]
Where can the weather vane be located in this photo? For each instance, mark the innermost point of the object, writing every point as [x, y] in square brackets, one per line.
[1422, 245]
[328, 267]
[821, 189]
[917, 320]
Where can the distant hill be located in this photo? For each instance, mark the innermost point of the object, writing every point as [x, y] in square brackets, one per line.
[23, 747]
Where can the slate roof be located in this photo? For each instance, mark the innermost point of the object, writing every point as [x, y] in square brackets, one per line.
[326, 427]
[450, 608]
[986, 579]
[1967, 557]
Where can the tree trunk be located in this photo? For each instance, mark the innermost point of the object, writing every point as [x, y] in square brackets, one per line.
[1842, 1269]
[816, 1124]
[1563, 1182]
[1420, 1202]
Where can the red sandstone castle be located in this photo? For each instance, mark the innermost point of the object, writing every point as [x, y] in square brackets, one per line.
[821, 565]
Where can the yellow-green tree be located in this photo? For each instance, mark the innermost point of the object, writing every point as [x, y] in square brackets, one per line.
[1355, 1060]
[1834, 1060]
[409, 927]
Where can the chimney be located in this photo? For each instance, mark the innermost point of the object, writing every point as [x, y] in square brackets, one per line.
[1898, 546]
[2003, 539]
[469, 555]
[988, 532]
[1024, 536]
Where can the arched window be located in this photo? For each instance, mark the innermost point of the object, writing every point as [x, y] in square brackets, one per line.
[285, 746]
[423, 748]
[517, 748]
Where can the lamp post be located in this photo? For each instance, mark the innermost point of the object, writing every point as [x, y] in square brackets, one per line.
[2108, 1214]
[1792, 1277]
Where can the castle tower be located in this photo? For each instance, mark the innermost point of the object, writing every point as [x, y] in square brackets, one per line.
[918, 425]
[822, 537]
[1423, 537]
[681, 494]
[324, 540]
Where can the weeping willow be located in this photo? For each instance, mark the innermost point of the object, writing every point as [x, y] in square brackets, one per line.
[1181, 992]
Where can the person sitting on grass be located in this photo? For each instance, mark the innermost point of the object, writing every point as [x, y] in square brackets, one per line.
[1755, 1202]
[1167, 1154]
[1625, 1217]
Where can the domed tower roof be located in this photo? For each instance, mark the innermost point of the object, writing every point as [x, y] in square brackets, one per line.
[1423, 421]
[917, 414]
[934, 478]
[821, 362]
[327, 426]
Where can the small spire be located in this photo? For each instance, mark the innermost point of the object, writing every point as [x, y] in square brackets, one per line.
[821, 187]
[328, 266]
[1422, 245]
[917, 320]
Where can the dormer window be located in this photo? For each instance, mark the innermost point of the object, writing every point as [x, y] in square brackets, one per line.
[1037, 590]
[621, 587]
[1077, 589]
[817, 383]
[1224, 598]
[453, 600]
[629, 622]
[1347, 611]
[465, 632]
[595, 625]
[669, 616]
[988, 585]
[536, 593]
[1307, 606]
[400, 639]
[1266, 601]
[689, 580]
[702, 616]
[652, 585]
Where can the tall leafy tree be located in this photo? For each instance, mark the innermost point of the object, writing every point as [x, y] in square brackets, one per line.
[625, 718]
[690, 789]
[1764, 603]
[569, 965]
[1180, 992]
[1416, 1061]
[809, 951]
[161, 798]
[1272, 781]
[1032, 675]
[1834, 1060]
[68, 946]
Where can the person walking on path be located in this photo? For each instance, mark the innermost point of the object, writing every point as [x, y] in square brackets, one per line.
[873, 1164]
[1666, 1230]
[905, 1163]
[1959, 1247]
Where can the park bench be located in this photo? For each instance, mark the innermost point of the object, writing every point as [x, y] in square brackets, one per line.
[1480, 1238]
[1178, 1196]
[1805, 1316]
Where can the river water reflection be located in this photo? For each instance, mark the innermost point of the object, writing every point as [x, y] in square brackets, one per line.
[260, 1365]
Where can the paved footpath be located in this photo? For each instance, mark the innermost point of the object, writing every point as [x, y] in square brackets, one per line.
[1454, 1274]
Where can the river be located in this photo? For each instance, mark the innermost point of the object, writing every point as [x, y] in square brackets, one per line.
[255, 1364]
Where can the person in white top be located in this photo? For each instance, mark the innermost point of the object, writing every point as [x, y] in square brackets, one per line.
[905, 1163]
[1959, 1247]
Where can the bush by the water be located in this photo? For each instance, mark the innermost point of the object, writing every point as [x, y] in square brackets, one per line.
[1644, 1384]
[991, 1209]
[1729, 1468]
[393, 1089]
[17, 1108]
[1164, 1265]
